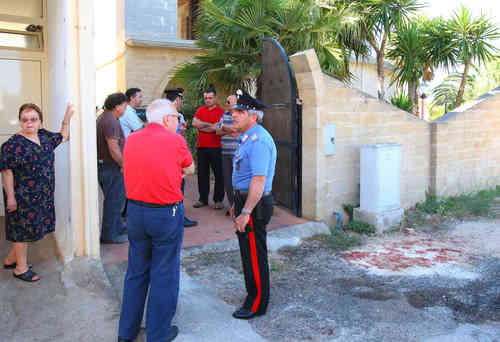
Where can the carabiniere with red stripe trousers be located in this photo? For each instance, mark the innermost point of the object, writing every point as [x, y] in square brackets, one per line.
[253, 172]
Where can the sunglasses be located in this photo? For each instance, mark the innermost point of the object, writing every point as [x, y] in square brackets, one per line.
[24, 120]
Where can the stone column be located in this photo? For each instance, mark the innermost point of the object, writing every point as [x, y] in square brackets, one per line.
[83, 150]
[310, 84]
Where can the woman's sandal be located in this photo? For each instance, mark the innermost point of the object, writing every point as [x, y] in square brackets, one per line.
[27, 276]
[13, 266]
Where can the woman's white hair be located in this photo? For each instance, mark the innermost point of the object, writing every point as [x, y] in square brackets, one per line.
[259, 113]
[157, 110]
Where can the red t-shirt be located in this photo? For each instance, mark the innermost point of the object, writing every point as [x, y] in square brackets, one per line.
[213, 116]
[153, 160]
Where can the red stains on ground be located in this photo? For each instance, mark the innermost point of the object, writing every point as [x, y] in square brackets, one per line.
[401, 255]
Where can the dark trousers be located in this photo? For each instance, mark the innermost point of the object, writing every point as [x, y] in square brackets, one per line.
[227, 168]
[155, 236]
[253, 250]
[111, 181]
[210, 158]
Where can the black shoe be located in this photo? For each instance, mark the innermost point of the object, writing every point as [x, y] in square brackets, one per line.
[123, 340]
[173, 334]
[119, 239]
[244, 313]
[189, 223]
[228, 213]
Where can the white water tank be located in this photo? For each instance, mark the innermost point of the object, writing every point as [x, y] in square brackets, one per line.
[380, 181]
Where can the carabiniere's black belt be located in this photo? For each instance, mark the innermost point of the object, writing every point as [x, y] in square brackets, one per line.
[245, 193]
[152, 205]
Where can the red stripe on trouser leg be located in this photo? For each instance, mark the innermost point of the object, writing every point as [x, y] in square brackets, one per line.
[255, 266]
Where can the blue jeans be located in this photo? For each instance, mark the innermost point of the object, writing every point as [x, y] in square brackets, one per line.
[111, 182]
[155, 236]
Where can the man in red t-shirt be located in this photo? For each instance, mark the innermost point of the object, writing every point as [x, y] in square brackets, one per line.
[209, 150]
[155, 159]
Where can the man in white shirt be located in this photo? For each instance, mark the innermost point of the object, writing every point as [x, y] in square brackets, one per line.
[130, 122]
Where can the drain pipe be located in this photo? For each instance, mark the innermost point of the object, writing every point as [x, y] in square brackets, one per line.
[339, 219]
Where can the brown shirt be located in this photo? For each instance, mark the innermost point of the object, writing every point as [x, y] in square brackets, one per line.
[108, 127]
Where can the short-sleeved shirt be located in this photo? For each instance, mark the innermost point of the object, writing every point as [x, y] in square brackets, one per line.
[228, 142]
[255, 156]
[108, 126]
[181, 120]
[155, 176]
[130, 121]
[210, 140]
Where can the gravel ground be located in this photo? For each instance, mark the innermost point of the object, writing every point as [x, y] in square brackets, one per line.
[316, 295]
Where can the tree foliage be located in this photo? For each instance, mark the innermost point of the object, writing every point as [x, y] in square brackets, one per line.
[231, 31]
[473, 38]
[379, 19]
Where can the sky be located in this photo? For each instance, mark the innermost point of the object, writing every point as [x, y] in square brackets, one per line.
[446, 7]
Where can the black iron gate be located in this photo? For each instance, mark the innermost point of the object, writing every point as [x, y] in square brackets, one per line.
[283, 120]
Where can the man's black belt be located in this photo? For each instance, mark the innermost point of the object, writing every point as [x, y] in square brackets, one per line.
[152, 205]
[245, 193]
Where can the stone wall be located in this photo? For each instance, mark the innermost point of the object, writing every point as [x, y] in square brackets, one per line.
[466, 147]
[331, 181]
[149, 68]
[154, 20]
[456, 154]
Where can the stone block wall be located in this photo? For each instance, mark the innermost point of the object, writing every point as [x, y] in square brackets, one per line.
[466, 147]
[152, 20]
[150, 68]
[331, 181]
[459, 153]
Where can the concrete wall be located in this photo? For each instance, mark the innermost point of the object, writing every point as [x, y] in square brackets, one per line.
[331, 181]
[466, 147]
[109, 46]
[150, 68]
[153, 20]
[365, 78]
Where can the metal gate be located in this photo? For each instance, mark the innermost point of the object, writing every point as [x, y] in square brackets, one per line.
[283, 120]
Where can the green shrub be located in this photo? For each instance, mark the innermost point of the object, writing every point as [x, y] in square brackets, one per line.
[349, 210]
[341, 241]
[361, 227]
[474, 204]
[403, 102]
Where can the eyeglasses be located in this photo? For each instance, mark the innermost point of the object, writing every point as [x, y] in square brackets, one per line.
[24, 120]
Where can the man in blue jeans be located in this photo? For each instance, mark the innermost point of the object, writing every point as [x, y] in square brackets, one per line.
[110, 142]
[155, 223]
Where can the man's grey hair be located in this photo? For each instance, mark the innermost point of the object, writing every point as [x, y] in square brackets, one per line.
[259, 113]
[158, 109]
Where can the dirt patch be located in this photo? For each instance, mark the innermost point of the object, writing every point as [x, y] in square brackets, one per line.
[321, 295]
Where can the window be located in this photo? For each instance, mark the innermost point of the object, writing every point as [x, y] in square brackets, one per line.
[187, 12]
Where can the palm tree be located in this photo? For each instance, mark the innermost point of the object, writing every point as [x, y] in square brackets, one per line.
[379, 18]
[472, 39]
[231, 32]
[409, 57]
[417, 48]
[446, 93]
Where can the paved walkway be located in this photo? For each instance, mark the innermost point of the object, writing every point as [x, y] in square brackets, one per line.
[80, 301]
[213, 225]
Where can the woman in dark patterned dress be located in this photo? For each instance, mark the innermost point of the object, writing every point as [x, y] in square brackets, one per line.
[27, 165]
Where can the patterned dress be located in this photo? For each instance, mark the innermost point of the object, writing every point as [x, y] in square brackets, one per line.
[33, 168]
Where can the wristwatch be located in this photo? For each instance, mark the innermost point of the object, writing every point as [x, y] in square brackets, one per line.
[245, 211]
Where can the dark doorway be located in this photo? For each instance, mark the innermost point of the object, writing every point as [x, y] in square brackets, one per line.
[282, 119]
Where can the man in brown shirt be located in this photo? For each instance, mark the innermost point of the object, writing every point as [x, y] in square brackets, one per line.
[110, 143]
